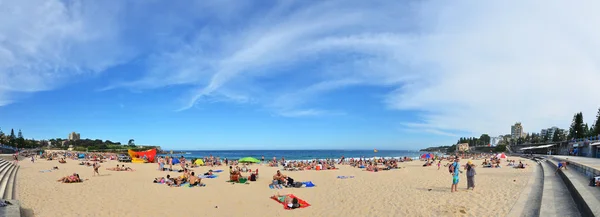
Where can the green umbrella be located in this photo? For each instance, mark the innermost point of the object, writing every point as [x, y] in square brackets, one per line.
[249, 160]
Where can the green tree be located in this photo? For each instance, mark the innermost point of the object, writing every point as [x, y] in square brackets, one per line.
[596, 129]
[131, 143]
[2, 137]
[500, 148]
[12, 138]
[577, 130]
[556, 136]
[20, 141]
[485, 139]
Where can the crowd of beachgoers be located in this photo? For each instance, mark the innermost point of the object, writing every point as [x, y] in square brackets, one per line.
[240, 172]
[279, 173]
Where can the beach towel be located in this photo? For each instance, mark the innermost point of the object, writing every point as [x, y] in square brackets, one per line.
[271, 186]
[308, 184]
[208, 176]
[217, 171]
[45, 171]
[303, 204]
[345, 177]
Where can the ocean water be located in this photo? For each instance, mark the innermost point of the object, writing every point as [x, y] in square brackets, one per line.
[299, 154]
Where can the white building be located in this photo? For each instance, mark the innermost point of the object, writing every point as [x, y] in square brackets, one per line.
[74, 136]
[550, 132]
[516, 131]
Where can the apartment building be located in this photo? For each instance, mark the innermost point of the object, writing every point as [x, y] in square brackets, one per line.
[516, 131]
[74, 136]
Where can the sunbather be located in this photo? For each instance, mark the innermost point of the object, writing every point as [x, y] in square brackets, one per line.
[194, 180]
[279, 177]
[70, 179]
[285, 199]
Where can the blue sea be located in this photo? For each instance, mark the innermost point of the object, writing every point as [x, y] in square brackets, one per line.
[300, 154]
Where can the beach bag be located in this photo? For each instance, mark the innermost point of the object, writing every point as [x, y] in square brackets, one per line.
[298, 185]
[253, 177]
[290, 181]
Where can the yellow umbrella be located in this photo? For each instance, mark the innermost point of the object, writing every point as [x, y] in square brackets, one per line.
[199, 162]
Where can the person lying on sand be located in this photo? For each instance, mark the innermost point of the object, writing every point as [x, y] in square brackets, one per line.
[62, 161]
[117, 168]
[70, 179]
[123, 168]
[177, 181]
[285, 199]
[209, 173]
[159, 180]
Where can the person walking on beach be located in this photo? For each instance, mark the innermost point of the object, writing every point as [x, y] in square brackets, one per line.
[455, 171]
[96, 167]
[32, 159]
[439, 164]
[471, 175]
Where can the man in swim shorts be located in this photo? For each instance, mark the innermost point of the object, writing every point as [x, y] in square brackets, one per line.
[455, 173]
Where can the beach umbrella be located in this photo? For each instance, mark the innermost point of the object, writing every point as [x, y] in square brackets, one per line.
[428, 156]
[175, 161]
[249, 160]
[502, 155]
[424, 156]
[199, 162]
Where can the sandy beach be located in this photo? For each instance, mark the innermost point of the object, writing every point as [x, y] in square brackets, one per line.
[411, 191]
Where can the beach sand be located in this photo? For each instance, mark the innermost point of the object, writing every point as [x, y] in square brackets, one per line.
[411, 191]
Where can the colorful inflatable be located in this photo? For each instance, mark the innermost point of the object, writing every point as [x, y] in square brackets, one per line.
[142, 156]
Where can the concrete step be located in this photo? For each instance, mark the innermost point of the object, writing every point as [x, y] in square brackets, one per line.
[10, 188]
[586, 197]
[5, 175]
[556, 199]
[530, 199]
[13, 210]
[4, 169]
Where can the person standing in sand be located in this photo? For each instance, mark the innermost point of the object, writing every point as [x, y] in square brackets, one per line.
[455, 171]
[470, 175]
[96, 167]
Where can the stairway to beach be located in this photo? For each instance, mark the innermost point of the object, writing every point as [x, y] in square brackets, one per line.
[556, 199]
[565, 193]
[8, 177]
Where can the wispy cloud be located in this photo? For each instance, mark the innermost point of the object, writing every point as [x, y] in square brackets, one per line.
[464, 66]
[426, 129]
[45, 45]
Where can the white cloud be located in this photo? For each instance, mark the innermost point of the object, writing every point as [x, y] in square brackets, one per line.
[476, 67]
[472, 67]
[493, 64]
[43, 45]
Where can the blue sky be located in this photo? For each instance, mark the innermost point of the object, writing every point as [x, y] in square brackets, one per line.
[294, 74]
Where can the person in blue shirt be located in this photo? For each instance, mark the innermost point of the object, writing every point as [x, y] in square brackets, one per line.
[455, 168]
